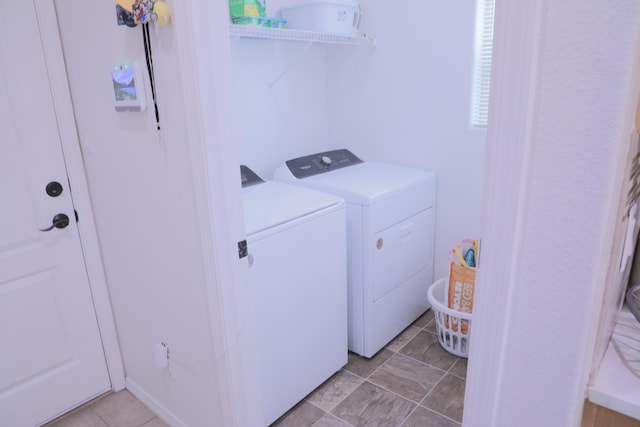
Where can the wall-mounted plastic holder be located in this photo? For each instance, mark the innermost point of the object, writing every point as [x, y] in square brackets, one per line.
[128, 88]
[162, 355]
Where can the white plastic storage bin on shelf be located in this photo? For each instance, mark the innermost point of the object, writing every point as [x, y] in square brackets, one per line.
[449, 323]
[329, 16]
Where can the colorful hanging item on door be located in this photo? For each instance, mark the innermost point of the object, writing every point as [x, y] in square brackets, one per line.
[134, 12]
[141, 11]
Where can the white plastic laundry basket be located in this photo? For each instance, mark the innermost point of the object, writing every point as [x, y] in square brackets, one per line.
[454, 341]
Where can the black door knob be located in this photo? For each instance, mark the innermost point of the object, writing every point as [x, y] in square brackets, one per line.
[59, 221]
[54, 189]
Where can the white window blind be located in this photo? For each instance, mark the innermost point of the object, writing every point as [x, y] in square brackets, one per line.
[482, 63]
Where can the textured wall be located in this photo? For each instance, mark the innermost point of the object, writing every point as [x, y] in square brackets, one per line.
[141, 188]
[580, 131]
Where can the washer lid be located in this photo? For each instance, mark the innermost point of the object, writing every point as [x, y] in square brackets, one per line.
[270, 204]
[367, 182]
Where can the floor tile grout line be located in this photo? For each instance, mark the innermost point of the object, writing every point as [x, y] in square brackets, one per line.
[398, 353]
[428, 409]
[367, 378]
[429, 392]
[362, 380]
[408, 416]
[433, 387]
[443, 415]
[88, 404]
[408, 341]
[395, 394]
[435, 412]
[98, 415]
[444, 373]
[333, 415]
[460, 360]
[413, 401]
[379, 367]
[427, 364]
[149, 421]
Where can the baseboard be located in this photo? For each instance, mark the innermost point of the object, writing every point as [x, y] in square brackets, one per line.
[161, 411]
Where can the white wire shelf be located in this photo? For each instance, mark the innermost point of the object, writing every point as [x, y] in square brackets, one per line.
[258, 32]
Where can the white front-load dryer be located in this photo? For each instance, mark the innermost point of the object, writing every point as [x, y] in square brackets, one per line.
[296, 241]
[390, 217]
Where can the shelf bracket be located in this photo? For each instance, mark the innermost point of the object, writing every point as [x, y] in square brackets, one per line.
[291, 63]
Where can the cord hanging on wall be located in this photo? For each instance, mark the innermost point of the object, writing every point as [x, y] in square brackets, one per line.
[149, 58]
[131, 13]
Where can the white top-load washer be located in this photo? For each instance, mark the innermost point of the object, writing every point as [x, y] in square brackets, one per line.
[296, 241]
[390, 217]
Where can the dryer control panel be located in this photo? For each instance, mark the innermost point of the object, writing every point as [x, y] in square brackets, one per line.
[315, 164]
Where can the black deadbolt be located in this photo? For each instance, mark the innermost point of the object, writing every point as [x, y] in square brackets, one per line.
[54, 189]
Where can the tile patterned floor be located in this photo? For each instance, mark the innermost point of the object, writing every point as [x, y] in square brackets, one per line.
[412, 382]
[119, 409]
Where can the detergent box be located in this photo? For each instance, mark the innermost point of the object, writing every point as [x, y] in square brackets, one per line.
[241, 8]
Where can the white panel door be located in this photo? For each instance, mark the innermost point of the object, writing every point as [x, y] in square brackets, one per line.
[51, 356]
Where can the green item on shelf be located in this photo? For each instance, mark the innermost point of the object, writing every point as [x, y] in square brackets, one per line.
[263, 22]
[241, 8]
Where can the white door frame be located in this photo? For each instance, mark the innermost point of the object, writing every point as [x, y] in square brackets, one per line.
[517, 75]
[513, 88]
[202, 37]
[61, 95]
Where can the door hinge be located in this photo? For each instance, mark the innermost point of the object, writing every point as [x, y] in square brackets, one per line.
[242, 249]
[76, 213]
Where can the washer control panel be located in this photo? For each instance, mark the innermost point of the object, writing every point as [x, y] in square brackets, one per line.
[315, 164]
[249, 177]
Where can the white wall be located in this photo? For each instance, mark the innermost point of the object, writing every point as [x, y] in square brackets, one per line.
[280, 99]
[283, 119]
[553, 206]
[142, 190]
[406, 102]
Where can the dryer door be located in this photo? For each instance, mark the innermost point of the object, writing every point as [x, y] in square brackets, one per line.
[401, 251]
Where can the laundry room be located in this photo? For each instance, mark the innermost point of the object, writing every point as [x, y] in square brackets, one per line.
[404, 98]
[401, 100]
[388, 114]
[171, 237]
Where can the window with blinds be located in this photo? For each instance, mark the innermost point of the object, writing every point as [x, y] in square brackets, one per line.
[482, 63]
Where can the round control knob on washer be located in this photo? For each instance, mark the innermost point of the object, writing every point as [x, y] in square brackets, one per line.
[326, 160]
